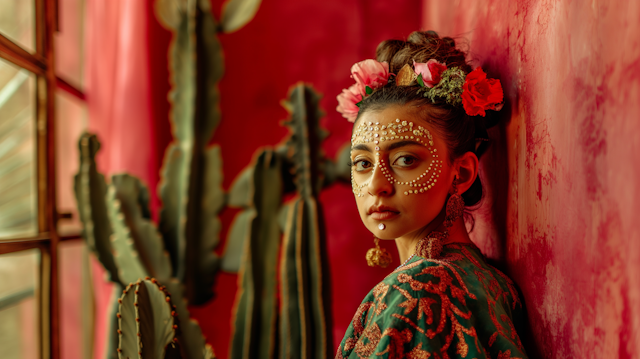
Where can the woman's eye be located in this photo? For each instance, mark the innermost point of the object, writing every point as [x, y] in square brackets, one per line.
[362, 165]
[405, 161]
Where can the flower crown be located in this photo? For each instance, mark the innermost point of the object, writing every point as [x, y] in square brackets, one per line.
[474, 91]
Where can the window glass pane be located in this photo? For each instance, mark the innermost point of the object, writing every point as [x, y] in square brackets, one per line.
[18, 194]
[76, 301]
[70, 42]
[71, 121]
[17, 22]
[19, 304]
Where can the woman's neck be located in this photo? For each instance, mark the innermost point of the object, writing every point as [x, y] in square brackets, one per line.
[407, 244]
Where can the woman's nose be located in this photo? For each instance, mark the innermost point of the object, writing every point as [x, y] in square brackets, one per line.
[379, 185]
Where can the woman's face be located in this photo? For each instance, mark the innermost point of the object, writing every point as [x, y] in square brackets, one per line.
[400, 173]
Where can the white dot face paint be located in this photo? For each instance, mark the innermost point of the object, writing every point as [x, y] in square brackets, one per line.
[399, 178]
[398, 131]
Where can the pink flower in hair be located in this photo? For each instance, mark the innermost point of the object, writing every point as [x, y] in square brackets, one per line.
[370, 73]
[431, 71]
[347, 101]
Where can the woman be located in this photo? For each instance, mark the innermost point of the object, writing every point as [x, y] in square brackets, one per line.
[418, 121]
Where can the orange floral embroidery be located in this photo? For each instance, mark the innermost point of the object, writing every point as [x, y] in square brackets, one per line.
[442, 283]
[379, 292]
[358, 326]
[373, 335]
[418, 353]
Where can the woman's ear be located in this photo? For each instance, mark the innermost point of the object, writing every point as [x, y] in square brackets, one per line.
[467, 168]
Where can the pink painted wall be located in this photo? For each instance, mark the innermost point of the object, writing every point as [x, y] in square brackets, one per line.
[561, 215]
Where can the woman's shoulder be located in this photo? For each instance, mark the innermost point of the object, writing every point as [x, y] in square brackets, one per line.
[457, 297]
[460, 273]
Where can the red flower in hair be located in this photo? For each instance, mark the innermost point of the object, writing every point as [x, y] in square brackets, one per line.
[480, 94]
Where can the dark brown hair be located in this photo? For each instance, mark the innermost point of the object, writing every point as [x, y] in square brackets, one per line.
[459, 130]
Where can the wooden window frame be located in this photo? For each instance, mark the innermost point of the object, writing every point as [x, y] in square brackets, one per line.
[41, 63]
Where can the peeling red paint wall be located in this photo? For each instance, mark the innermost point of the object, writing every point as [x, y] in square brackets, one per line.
[562, 175]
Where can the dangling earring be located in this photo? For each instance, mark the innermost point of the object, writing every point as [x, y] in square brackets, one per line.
[378, 256]
[431, 246]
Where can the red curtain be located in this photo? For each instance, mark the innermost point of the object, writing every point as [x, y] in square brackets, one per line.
[119, 97]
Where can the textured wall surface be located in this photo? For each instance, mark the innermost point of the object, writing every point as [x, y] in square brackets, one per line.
[563, 175]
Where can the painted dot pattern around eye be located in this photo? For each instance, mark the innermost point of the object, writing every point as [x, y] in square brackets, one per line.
[399, 130]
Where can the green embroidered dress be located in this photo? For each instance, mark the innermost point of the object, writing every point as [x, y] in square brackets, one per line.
[457, 306]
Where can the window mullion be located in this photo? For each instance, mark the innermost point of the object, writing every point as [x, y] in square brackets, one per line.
[21, 57]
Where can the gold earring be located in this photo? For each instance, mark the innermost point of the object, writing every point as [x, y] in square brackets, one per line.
[430, 247]
[377, 256]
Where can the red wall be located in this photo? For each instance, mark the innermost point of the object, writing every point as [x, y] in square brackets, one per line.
[315, 42]
[563, 174]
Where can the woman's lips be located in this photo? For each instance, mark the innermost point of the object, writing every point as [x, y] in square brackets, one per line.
[383, 215]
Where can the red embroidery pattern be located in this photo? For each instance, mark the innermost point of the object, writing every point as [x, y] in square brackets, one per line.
[431, 299]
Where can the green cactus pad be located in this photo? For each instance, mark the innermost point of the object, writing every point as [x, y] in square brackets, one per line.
[138, 246]
[146, 324]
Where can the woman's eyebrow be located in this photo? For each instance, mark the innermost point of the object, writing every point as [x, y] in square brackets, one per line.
[399, 144]
[361, 147]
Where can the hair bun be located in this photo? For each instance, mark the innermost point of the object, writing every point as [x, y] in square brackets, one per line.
[421, 46]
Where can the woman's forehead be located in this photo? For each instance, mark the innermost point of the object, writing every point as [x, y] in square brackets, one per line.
[386, 129]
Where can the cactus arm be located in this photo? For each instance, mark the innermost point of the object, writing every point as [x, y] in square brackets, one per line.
[305, 259]
[237, 238]
[291, 336]
[191, 175]
[318, 287]
[240, 193]
[255, 324]
[173, 211]
[136, 237]
[237, 13]
[202, 261]
[146, 323]
[156, 319]
[128, 345]
[239, 196]
[90, 189]
[127, 257]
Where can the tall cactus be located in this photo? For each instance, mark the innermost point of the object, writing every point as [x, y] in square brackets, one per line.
[304, 330]
[191, 180]
[257, 307]
[298, 165]
[136, 248]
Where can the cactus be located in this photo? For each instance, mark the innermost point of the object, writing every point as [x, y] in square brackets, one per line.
[256, 308]
[137, 248]
[139, 253]
[90, 189]
[146, 323]
[190, 186]
[298, 165]
[304, 332]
